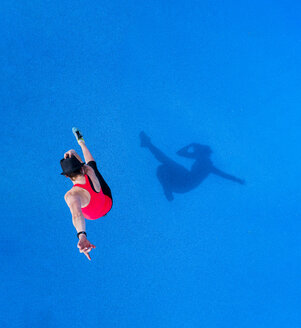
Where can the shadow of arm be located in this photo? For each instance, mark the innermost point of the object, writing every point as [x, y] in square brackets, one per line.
[226, 175]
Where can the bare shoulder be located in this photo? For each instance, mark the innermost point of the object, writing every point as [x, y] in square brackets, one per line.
[77, 195]
[71, 193]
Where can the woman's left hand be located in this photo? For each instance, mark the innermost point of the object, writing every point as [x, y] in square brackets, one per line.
[69, 153]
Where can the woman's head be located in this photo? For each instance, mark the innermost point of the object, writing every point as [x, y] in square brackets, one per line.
[72, 167]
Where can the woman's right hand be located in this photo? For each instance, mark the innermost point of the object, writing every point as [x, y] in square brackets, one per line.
[85, 246]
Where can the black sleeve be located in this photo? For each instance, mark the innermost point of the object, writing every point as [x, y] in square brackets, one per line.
[92, 164]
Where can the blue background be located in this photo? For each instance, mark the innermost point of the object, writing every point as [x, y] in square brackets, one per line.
[220, 73]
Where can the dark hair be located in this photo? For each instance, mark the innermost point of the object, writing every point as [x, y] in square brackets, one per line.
[74, 174]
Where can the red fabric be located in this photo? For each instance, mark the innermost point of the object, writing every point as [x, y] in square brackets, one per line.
[99, 205]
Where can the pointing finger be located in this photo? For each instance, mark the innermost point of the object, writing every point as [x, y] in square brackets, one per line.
[88, 256]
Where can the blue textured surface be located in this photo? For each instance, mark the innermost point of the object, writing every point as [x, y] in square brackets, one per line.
[221, 74]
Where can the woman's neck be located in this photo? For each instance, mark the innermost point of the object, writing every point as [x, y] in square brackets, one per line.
[79, 180]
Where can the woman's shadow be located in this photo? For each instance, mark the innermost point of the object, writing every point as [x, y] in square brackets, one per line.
[174, 177]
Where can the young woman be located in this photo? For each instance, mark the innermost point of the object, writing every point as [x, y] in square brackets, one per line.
[90, 197]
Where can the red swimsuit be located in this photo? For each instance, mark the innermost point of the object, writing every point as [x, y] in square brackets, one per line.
[99, 205]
